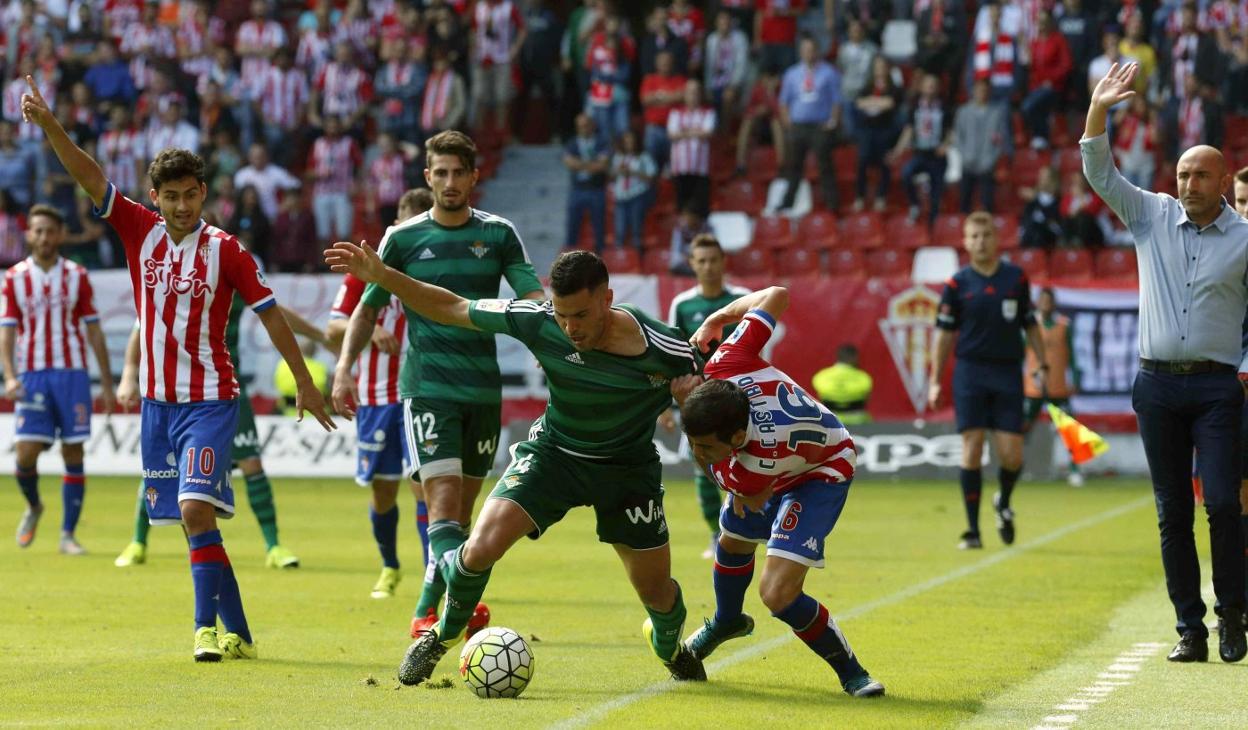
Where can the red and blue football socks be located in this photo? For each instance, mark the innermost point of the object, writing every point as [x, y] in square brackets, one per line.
[422, 529]
[386, 533]
[28, 482]
[73, 490]
[731, 578]
[208, 561]
[812, 623]
[231, 604]
[972, 485]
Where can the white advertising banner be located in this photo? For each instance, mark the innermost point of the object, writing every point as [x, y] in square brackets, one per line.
[1104, 346]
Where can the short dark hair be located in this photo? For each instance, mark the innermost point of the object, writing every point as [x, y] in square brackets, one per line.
[716, 407]
[576, 271]
[46, 211]
[1242, 175]
[455, 143]
[847, 351]
[417, 199]
[705, 240]
[176, 164]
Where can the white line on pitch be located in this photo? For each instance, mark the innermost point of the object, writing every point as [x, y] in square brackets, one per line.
[1122, 670]
[597, 712]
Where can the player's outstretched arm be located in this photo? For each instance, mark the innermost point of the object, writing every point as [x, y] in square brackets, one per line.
[307, 398]
[95, 335]
[12, 386]
[773, 300]
[429, 301]
[128, 388]
[79, 164]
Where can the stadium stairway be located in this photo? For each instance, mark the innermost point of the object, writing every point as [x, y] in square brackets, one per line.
[531, 190]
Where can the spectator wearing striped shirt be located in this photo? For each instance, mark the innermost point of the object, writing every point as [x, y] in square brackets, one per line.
[332, 167]
[282, 106]
[121, 150]
[387, 176]
[342, 90]
[689, 127]
[445, 100]
[400, 86]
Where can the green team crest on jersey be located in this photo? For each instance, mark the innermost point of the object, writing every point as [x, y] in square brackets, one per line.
[446, 362]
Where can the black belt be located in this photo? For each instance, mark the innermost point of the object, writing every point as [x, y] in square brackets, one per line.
[1186, 367]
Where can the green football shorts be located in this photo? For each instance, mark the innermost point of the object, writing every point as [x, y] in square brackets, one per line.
[246, 439]
[450, 438]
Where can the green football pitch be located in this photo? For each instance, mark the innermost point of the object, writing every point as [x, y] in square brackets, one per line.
[1067, 628]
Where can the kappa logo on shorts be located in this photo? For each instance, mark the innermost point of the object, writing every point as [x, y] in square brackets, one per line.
[811, 544]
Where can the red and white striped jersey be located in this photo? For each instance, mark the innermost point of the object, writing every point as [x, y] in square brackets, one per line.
[122, 13]
[12, 104]
[253, 36]
[377, 373]
[144, 45]
[49, 309]
[182, 293]
[791, 438]
[285, 93]
[495, 26]
[386, 174]
[333, 164]
[118, 152]
[692, 155]
[360, 33]
[313, 53]
[436, 99]
[344, 89]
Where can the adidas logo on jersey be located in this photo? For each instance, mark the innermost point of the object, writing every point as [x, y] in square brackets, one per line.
[574, 358]
[426, 254]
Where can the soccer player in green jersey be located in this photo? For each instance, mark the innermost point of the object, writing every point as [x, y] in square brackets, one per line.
[450, 384]
[686, 314]
[245, 451]
[610, 370]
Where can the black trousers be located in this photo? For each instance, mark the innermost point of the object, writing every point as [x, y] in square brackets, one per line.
[1176, 414]
[804, 138]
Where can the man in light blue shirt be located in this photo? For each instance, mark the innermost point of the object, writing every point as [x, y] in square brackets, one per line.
[1193, 262]
[810, 106]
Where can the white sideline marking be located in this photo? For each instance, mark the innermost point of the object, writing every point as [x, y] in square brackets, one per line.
[597, 712]
[1121, 672]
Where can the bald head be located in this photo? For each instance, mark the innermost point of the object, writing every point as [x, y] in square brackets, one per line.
[1202, 179]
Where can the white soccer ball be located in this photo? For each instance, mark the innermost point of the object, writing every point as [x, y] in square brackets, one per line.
[496, 662]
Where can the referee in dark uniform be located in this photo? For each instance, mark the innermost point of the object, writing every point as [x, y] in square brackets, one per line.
[983, 308]
[1193, 260]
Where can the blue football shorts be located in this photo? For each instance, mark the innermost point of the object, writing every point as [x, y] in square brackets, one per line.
[57, 406]
[186, 455]
[381, 448]
[793, 525]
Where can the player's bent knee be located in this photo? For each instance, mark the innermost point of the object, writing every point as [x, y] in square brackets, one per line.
[27, 453]
[735, 546]
[483, 549]
[198, 516]
[778, 595]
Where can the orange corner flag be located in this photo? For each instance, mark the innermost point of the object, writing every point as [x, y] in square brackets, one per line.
[1083, 443]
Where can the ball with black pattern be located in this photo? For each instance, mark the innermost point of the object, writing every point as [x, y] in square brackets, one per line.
[496, 662]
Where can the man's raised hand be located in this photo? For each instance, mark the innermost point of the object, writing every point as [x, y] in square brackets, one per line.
[360, 261]
[1117, 86]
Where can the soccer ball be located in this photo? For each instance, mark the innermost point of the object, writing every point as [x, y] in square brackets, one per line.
[496, 662]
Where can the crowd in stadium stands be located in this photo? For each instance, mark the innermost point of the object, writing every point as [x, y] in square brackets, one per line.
[311, 115]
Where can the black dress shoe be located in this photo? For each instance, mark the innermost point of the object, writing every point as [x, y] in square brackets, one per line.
[1192, 647]
[1232, 643]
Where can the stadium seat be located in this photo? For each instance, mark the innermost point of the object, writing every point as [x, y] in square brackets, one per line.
[753, 261]
[847, 262]
[1116, 263]
[622, 260]
[732, 228]
[772, 232]
[1069, 161]
[1033, 261]
[1070, 264]
[762, 166]
[948, 230]
[818, 230]
[864, 230]
[901, 232]
[738, 195]
[1007, 231]
[889, 262]
[933, 264]
[796, 262]
[655, 261]
[1026, 166]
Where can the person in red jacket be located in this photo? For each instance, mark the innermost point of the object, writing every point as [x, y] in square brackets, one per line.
[1050, 66]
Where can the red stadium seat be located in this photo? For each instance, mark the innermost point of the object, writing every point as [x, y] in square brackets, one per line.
[1026, 166]
[656, 261]
[818, 230]
[1069, 162]
[753, 261]
[797, 262]
[1117, 264]
[1007, 231]
[864, 230]
[762, 164]
[948, 230]
[1070, 264]
[847, 262]
[622, 260]
[1033, 261]
[901, 232]
[738, 195]
[771, 231]
[889, 262]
